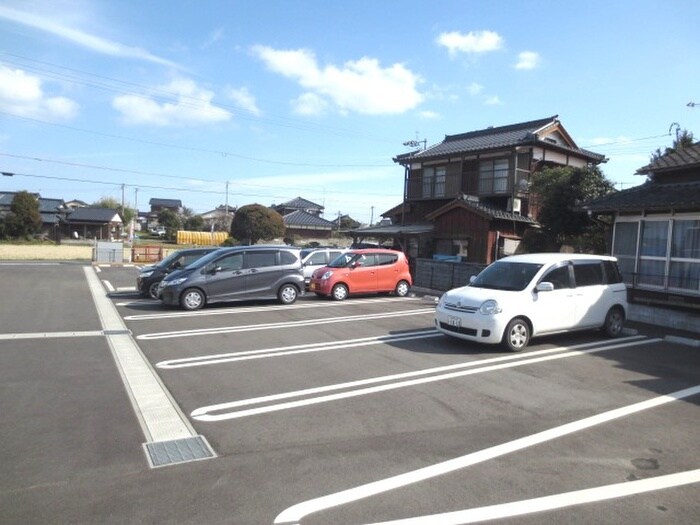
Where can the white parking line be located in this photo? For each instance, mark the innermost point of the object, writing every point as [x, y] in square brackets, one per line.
[252, 309]
[108, 285]
[215, 359]
[158, 414]
[51, 335]
[293, 515]
[475, 367]
[289, 324]
[555, 501]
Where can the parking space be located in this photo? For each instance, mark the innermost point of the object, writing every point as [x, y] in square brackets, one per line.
[359, 412]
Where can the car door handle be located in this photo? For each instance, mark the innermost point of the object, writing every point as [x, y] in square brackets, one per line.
[253, 270]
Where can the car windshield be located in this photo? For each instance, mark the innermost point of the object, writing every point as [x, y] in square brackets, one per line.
[169, 259]
[344, 259]
[503, 275]
[202, 261]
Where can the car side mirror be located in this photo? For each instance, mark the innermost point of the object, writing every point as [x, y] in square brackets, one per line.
[545, 287]
[215, 269]
[356, 264]
[472, 278]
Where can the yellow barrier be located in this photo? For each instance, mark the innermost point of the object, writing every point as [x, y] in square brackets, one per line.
[201, 238]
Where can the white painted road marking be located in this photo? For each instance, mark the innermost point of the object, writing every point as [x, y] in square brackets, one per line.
[215, 359]
[157, 412]
[292, 324]
[232, 310]
[555, 501]
[293, 515]
[205, 413]
[51, 335]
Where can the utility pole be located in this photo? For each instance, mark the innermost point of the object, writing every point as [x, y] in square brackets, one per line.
[371, 217]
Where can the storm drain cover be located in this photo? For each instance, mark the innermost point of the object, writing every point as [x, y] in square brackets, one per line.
[163, 453]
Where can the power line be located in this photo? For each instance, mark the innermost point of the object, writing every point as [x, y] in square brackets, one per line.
[179, 177]
[192, 148]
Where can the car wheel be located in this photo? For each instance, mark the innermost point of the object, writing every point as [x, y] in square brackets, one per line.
[340, 292]
[192, 299]
[288, 294]
[516, 335]
[402, 289]
[153, 290]
[614, 320]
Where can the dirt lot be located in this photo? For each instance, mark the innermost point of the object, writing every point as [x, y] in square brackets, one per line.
[47, 252]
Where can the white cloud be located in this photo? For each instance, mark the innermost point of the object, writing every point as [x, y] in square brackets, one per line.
[81, 38]
[473, 42]
[429, 115]
[361, 86]
[493, 101]
[309, 104]
[244, 99]
[475, 88]
[528, 60]
[22, 94]
[192, 106]
[214, 37]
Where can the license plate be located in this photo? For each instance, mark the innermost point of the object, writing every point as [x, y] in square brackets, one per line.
[312, 287]
[454, 321]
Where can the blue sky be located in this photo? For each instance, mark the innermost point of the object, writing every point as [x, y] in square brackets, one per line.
[277, 99]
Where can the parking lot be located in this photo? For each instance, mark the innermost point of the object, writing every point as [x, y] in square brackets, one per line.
[114, 409]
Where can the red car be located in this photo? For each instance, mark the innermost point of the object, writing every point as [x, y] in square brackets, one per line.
[361, 272]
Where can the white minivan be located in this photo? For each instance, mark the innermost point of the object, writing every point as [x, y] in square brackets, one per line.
[524, 296]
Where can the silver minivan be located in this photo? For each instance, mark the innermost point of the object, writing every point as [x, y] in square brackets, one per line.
[314, 258]
[236, 274]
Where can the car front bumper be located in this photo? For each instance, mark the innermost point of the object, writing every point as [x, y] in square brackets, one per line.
[470, 326]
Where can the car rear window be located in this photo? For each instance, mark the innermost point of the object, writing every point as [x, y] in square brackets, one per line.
[287, 257]
[589, 274]
[260, 259]
[386, 258]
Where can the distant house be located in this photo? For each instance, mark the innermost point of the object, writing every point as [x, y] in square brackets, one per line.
[219, 219]
[468, 195]
[656, 232]
[157, 206]
[94, 223]
[53, 213]
[298, 204]
[75, 203]
[345, 222]
[307, 225]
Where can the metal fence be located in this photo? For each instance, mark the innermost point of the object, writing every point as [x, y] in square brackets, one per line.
[443, 275]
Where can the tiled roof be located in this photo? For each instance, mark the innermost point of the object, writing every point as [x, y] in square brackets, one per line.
[520, 134]
[482, 209]
[302, 219]
[99, 215]
[299, 204]
[681, 159]
[650, 196]
[50, 205]
[394, 229]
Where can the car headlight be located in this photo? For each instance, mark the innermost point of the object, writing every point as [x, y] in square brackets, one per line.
[175, 282]
[489, 307]
[146, 274]
[327, 275]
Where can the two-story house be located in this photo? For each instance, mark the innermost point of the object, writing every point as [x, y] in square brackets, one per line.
[469, 195]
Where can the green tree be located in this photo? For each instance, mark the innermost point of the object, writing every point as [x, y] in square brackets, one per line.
[24, 219]
[170, 221]
[195, 223]
[127, 214]
[255, 222]
[684, 138]
[559, 192]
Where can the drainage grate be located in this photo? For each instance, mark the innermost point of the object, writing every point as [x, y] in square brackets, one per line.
[163, 453]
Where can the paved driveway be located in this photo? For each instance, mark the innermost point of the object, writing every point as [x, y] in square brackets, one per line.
[326, 412]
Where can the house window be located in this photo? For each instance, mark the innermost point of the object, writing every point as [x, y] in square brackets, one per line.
[652, 253]
[625, 248]
[668, 253]
[684, 269]
[434, 182]
[493, 176]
